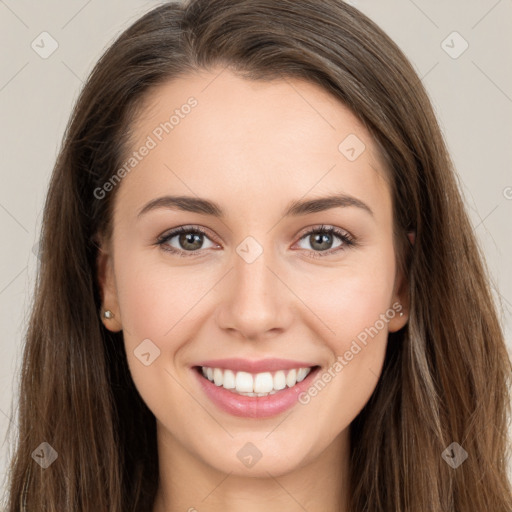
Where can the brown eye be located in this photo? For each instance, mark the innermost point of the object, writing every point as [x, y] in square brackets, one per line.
[190, 241]
[184, 240]
[321, 240]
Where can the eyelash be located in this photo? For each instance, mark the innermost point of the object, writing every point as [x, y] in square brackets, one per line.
[347, 240]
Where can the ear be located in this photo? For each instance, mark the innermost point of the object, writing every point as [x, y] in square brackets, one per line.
[400, 304]
[108, 289]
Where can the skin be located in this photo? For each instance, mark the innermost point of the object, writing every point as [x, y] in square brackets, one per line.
[252, 147]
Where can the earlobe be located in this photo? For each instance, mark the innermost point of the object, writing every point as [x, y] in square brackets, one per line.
[398, 315]
[110, 315]
[398, 312]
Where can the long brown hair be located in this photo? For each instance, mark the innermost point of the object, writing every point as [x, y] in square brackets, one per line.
[446, 374]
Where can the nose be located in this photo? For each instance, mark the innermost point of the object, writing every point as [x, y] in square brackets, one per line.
[255, 302]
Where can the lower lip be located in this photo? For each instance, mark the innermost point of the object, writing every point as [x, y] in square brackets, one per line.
[254, 406]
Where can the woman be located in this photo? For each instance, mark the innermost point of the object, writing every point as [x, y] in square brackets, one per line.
[259, 287]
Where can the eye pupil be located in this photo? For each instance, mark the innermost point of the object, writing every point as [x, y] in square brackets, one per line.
[320, 239]
[188, 239]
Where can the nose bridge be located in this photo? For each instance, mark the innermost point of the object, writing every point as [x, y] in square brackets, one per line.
[254, 303]
[253, 279]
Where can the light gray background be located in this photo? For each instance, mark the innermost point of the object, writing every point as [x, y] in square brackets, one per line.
[472, 95]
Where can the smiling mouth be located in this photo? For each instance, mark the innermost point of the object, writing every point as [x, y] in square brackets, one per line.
[254, 384]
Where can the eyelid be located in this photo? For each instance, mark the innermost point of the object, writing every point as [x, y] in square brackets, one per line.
[188, 228]
[347, 239]
[318, 228]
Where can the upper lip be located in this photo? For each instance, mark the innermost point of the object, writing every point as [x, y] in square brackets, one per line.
[263, 365]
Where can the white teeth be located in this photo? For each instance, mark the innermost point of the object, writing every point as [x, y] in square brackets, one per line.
[301, 374]
[259, 384]
[244, 382]
[263, 383]
[217, 376]
[291, 378]
[279, 380]
[229, 379]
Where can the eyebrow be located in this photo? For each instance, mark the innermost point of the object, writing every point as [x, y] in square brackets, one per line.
[296, 208]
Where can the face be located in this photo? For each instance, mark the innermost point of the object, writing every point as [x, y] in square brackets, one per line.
[251, 289]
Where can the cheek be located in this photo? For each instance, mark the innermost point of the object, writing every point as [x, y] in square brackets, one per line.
[152, 296]
[350, 299]
[355, 304]
[157, 312]
[358, 312]
[164, 304]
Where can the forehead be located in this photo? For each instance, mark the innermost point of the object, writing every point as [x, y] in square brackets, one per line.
[212, 133]
[225, 102]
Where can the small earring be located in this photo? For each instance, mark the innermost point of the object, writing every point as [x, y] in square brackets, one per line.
[401, 313]
[108, 314]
